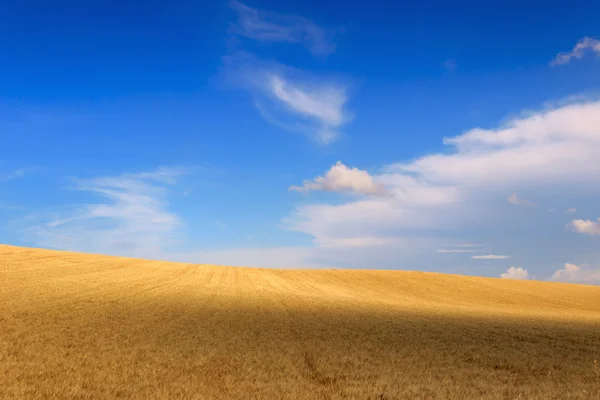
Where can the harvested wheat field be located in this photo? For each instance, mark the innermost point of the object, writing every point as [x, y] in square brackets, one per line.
[77, 326]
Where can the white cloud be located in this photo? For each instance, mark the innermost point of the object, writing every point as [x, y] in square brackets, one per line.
[344, 180]
[266, 26]
[513, 199]
[372, 218]
[436, 198]
[515, 273]
[570, 210]
[586, 226]
[292, 99]
[577, 273]
[556, 146]
[469, 245]
[131, 217]
[548, 152]
[324, 103]
[289, 98]
[490, 257]
[455, 251]
[587, 43]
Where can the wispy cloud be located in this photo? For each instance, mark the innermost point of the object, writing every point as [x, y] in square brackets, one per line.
[580, 49]
[584, 273]
[585, 226]
[469, 245]
[15, 174]
[267, 26]
[131, 216]
[287, 97]
[292, 99]
[450, 65]
[342, 179]
[513, 199]
[570, 210]
[323, 103]
[515, 273]
[490, 257]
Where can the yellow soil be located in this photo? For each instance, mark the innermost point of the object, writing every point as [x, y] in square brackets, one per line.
[81, 326]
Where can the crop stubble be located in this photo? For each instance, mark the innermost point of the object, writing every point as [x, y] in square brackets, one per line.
[85, 327]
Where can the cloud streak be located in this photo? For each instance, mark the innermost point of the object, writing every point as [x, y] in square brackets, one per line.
[291, 99]
[578, 52]
[271, 27]
[490, 257]
[456, 251]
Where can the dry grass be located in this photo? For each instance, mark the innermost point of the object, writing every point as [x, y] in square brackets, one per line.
[89, 327]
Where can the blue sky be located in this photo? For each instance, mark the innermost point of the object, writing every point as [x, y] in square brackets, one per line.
[459, 138]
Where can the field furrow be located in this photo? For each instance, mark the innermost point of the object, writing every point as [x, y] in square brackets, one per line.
[79, 326]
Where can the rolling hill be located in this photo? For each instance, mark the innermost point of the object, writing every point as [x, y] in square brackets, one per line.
[83, 326]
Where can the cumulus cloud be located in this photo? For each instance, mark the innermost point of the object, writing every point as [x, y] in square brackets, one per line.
[490, 257]
[586, 226]
[577, 273]
[513, 199]
[292, 99]
[342, 179]
[515, 273]
[580, 49]
[438, 194]
[555, 146]
[266, 26]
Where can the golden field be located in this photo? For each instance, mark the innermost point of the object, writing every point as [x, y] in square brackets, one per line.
[78, 326]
